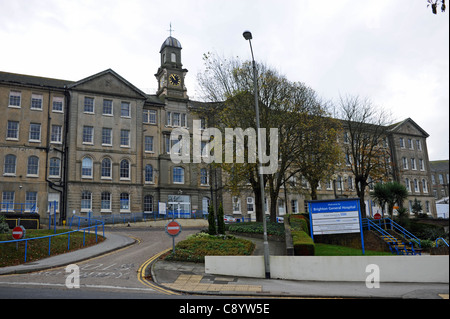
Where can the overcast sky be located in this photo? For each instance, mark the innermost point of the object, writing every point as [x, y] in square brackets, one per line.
[394, 52]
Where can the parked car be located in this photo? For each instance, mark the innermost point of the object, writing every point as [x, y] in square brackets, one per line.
[229, 219]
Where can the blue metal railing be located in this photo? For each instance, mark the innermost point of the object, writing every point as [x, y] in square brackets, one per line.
[440, 238]
[8, 207]
[402, 231]
[95, 227]
[392, 241]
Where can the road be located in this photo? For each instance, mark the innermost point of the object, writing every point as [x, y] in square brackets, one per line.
[114, 275]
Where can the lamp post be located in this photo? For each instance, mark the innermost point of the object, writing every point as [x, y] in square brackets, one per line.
[248, 36]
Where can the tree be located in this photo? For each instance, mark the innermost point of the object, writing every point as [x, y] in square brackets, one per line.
[220, 221]
[364, 126]
[284, 105]
[416, 207]
[434, 5]
[381, 196]
[211, 220]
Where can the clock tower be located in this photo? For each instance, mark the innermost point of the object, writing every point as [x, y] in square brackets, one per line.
[171, 74]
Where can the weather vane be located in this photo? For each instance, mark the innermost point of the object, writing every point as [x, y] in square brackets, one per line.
[170, 29]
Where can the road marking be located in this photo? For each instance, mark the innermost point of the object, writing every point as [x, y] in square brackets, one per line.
[141, 275]
[63, 285]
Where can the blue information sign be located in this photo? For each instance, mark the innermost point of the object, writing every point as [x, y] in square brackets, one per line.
[337, 216]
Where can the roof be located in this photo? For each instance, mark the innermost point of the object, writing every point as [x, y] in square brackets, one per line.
[171, 42]
[396, 126]
[23, 79]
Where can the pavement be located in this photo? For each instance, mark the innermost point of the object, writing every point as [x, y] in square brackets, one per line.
[191, 278]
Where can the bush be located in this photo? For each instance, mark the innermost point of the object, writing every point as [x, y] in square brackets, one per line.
[274, 229]
[196, 247]
[303, 244]
[298, 222]
[4, 228]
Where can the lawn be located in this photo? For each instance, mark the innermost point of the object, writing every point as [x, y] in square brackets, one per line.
[333, 250]
[12, 254]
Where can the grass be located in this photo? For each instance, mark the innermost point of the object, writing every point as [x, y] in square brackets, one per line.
[334, 250]
[12, 254]
[195, 248]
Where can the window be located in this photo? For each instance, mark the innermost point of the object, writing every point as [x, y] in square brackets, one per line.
[413, 163]
[125, 109]
[168, 118]
[294, 206]
[167, 144]
[148, 173]
[124, 169]
[346, 138]
[30, 201]
[405, 163]
[107, 136]
[14, 98]
[173, 57]
[107, 107]
[148, 144]
[178, 175]
[410, 144]
[53, 202]
[183, 120]
[176, 119]
[88, 135]
[124, 138]
[350, 182]
[89, 105]
[407, 184]
[33, 166]
[236, 205]
[441, 179]
[86, 201]
[421, 166]
[416, 186]
[35, 132]
[54, 167]
[57, 104]
[56, 135]
[106, 171]
[12, 131]
[36, 101]
[10, 165]
[250, 205]
[148, 203]
[419, 145]
[433, 180]
[86, 167]
[402, 142]
[106, 202]
[424, 185]
[7, 201]
[125, 202]
[204, 177]
[150, 116]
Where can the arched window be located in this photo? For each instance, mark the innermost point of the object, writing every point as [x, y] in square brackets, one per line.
[10, 165]
[148, 173]
[86, 167]
[124, 169]
[148, 204]
[173, 57]
[106, 168]
[33, 165]
[178, 175]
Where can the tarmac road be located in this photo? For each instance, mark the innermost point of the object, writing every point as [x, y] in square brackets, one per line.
[115, 272]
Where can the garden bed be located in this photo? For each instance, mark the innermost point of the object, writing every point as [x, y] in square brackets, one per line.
[196, 247]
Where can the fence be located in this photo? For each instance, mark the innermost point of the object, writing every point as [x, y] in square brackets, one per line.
[95, 224]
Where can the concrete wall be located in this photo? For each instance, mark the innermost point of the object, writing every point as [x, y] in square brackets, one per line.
[337, 268]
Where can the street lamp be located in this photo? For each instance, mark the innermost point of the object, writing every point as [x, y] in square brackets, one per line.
[248, 36]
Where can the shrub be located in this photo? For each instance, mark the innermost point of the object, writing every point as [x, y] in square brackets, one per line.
[303, 244]
[274, 229]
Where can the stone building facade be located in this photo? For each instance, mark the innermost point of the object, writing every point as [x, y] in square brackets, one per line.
[102, 145]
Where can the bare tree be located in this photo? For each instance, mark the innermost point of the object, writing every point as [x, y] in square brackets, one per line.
[365, 146]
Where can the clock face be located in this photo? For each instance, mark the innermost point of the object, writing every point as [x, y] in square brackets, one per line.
[174, 79]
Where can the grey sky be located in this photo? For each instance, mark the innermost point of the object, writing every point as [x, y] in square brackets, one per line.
[395, 52]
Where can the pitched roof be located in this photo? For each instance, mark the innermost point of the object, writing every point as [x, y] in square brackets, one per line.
[23, 79]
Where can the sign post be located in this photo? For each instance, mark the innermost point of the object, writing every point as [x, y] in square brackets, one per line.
[18, 232]
[173, 229]
[337, 216]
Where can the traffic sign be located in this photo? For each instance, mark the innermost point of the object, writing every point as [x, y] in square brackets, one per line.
[173, 228]
[377, 216]
[18, 232]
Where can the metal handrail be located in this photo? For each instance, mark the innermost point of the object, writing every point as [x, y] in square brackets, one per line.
[404, 232]
[442, 240]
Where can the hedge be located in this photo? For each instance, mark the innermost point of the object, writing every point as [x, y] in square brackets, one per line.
[303, 244]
